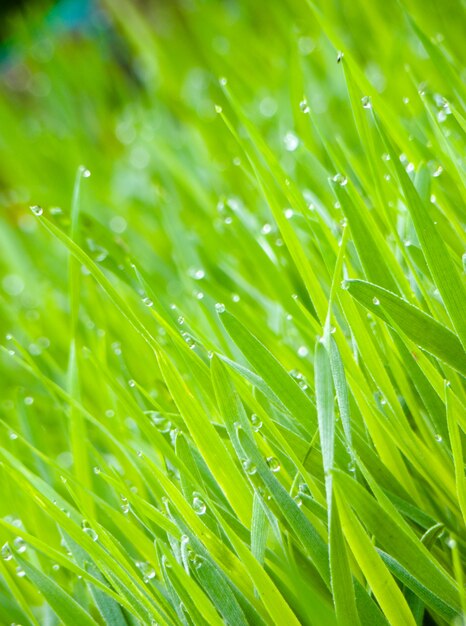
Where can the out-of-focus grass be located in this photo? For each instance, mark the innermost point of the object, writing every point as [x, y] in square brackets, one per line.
[233, 374]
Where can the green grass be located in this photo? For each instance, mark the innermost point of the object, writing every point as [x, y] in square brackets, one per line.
[233, 379]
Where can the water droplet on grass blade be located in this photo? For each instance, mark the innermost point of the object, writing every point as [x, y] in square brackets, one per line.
[291, 141]
[148, 302]
[375, 301]
[199, 505]
[256, 422]
[90, 532]
[125, 507]
[340, 179]
[37, 210]
[249, 467]
[19, 545]
[366, 102]
[219, 307]
[146, 569]
[6, 552]
[273, 463]
[304, 106]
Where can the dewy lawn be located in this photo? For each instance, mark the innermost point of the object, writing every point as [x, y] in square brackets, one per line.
[233, 313]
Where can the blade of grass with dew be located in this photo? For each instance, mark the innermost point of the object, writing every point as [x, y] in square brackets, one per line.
[421, 328]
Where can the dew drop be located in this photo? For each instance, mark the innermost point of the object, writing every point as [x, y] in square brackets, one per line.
[180, 320]
[366, 102]
[256, 422]
[303, 351]
[288, 213]
[340, 179]
[375, 301]
[441, 116]
[197, 561]
[125, 506]
[199, 505]
[298, 500]
[249, 467]
[132, 383]
[146, 569]
[19, 545]
[37, 210]
[90, 532]
[199, 274]
[304, 106]
[219, 307]
[340, 56]
[218, 108]
[20, 572]
[189, 340]
[85, 172]
[223, 81]
[273, 463]
[344, 285]
[438, 438]
[303, 489]
[291, 141]
[148, 302]
[97, 470]
[6, 552]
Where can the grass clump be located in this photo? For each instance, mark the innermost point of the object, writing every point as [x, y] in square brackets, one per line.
[233, 375]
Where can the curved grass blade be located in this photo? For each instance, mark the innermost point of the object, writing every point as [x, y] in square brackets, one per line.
[421, 328]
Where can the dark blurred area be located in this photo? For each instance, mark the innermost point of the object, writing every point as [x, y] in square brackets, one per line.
[62, 14]
[10, 8]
